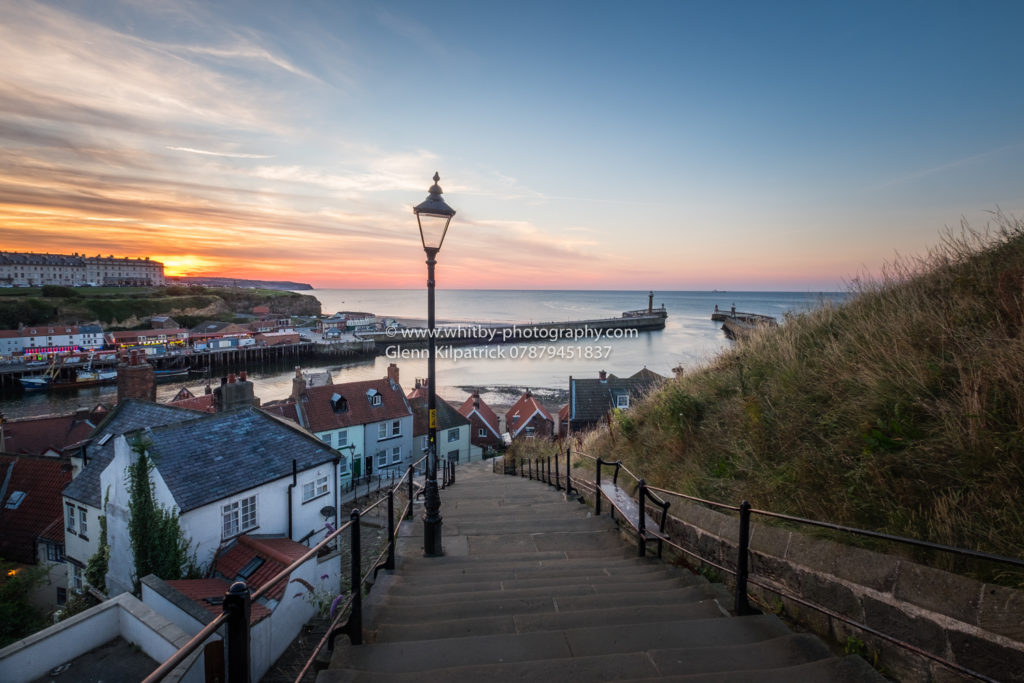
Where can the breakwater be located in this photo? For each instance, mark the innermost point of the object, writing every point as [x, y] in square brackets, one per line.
[629, 325]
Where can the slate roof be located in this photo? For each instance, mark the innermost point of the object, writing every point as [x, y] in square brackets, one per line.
[319, 415]
[128, 416]
[37, 435]
[40, 512]
[484, 411]
[447, 416]
[591, 399]
[220, 455]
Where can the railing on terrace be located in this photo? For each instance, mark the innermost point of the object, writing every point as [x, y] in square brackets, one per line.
[238, 600]
[541, 470]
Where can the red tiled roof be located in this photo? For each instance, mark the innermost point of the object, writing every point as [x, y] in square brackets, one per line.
[277, 554]
[319, 415]
[484, 411]
[41, 480]
[209, 594]
[203, 403]
[525, 407]
[37, 435]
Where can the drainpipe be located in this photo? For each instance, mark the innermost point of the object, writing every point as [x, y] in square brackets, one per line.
[295, 481]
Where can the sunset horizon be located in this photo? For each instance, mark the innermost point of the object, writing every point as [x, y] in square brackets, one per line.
[737, 147]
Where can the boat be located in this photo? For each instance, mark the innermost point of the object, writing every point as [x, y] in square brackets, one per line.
[35, 383]
[87, 378]
[40, 382]
[171, 374]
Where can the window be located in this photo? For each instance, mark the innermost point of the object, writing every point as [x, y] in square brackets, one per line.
[382, 458]
[481, 432]
[326, 438]
[382, 431]
[342, 438]
[55, 552]
[529, 432]
[77, 578]
[62, 595]
[622, 401]
[314, 489]
[82, 516]
[71, 517]
[396, 454]
[238, 516]
[453, 456]
[396, 428]
[453, 435]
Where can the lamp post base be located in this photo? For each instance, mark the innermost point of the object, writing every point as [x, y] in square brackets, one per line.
[432, 520]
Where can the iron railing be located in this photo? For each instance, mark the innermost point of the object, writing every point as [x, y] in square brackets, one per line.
[238, 600]
[526, 467]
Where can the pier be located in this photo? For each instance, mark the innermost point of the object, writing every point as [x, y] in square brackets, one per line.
[738, 324]
[207, 361]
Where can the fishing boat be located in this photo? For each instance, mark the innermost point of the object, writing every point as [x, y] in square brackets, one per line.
[40, 382]
[87, 378]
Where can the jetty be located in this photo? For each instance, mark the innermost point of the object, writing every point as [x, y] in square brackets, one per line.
[738, 324]
[597, 330]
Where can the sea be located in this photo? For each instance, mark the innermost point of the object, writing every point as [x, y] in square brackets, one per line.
[500, 372]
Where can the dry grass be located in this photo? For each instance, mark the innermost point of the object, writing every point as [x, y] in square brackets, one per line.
[900, 411]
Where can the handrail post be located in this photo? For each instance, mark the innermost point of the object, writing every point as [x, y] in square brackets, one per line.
[741, 606]
[390, 563]
[558, 477]
[453, 471]
[412, 472]
[238, 606]
[531, 469]
[549, 469]
[569, 488]
[355, 620]
[641, 521]
[597, 491]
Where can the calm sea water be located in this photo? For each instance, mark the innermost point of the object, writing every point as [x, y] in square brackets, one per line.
[689, 339]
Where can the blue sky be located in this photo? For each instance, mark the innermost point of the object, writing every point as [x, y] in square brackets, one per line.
[597, 145]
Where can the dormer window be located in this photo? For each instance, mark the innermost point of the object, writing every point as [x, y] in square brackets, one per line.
[374, 396]
[621, 399]
[339, 403]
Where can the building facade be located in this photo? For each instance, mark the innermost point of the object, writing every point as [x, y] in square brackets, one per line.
[20, 269]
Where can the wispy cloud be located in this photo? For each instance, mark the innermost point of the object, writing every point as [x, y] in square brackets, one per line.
[232, 155]
[970, 160]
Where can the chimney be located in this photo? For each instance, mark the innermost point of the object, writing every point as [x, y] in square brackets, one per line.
[603, 376]
[298, 385]
[393, 372]
[135, 379]
[476, 400]
[234, 394]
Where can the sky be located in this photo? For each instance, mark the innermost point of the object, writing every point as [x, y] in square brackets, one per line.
[675, 145]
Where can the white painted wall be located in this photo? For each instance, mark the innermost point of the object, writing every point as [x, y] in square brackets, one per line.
[203, 526]
[123, 616]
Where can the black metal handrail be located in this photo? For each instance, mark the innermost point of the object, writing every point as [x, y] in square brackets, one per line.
[238, 599]
[740, 572]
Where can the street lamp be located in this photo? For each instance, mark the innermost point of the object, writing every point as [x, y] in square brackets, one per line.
[433, 217]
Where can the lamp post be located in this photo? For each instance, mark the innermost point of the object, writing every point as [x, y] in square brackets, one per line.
[433, 216]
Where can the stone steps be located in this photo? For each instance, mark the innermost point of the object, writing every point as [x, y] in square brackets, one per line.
[550, 591]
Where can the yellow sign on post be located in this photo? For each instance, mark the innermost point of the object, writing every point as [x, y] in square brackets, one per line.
[433, 418]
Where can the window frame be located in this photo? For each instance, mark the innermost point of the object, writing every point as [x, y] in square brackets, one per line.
[382, 431]
[69, 517]
[382, 458]
[234, 515]
[453, 434]
[396, 454]
[83, 521]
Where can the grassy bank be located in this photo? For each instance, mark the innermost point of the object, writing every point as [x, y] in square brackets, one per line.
[900, 411]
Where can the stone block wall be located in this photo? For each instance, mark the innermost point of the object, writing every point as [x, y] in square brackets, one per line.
[977, 625]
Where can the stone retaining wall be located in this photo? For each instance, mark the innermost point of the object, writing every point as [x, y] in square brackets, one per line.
[976, 625]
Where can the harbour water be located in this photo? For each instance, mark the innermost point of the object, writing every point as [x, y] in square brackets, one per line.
[690, 338]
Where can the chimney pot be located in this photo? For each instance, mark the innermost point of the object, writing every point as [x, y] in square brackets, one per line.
[241, 376]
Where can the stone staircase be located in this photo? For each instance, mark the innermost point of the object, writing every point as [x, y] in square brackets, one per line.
[533, 587]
